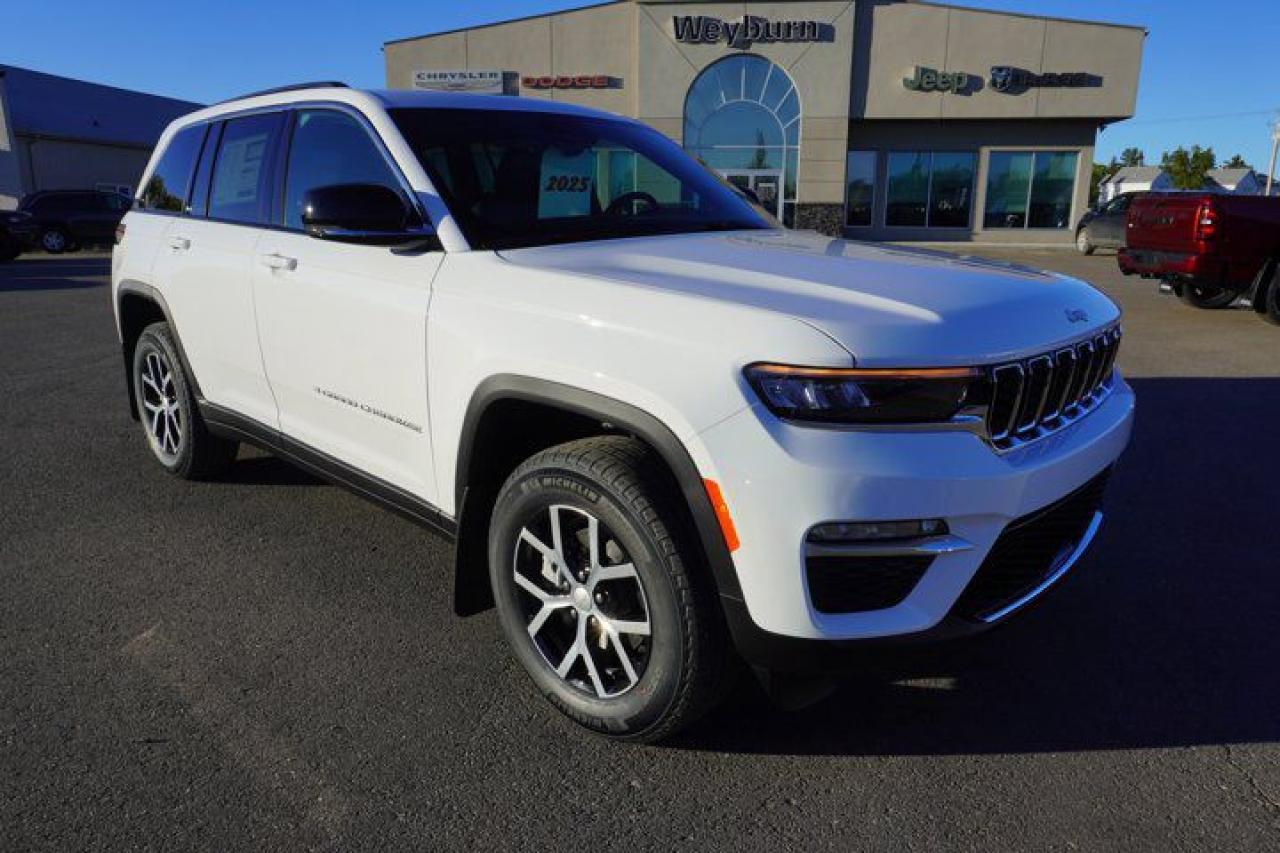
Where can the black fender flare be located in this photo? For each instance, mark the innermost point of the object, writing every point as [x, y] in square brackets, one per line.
[613, 414]
[136, 288]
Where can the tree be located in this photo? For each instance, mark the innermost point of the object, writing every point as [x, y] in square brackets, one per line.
[1236, 162]
[1187, 167]
[1132, 157]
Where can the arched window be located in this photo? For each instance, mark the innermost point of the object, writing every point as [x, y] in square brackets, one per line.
[742, 118]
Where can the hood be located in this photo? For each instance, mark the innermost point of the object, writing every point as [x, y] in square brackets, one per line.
[887, 305]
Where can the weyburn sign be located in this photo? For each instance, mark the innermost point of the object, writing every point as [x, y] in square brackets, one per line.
[699, 29]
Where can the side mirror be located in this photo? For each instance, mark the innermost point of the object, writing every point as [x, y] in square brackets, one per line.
[368, 214]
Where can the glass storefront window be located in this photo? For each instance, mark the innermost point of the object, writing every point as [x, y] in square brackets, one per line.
[860, 188]
[908, 184]
[742, 118]
[929, 189]
[951, 191]
[1030, 189]
[1008, 182]
[1052, 188]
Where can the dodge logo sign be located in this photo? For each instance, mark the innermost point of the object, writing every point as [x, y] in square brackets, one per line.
[1075, 315]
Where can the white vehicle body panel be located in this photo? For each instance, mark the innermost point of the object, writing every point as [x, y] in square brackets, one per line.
[204, 268]
[344, 345]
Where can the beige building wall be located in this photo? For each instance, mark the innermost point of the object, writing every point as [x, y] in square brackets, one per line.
[598, 40]
[900, 36]
[821, 71]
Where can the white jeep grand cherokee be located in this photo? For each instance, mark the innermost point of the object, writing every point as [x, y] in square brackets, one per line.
[661, 428]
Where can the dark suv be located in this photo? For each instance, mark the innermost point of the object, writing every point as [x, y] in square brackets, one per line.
[17, 233]
[66, 219]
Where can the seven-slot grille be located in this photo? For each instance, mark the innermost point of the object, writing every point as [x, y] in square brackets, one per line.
[1041, 393]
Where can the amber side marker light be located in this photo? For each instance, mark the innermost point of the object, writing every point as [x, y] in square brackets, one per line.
[722, 514]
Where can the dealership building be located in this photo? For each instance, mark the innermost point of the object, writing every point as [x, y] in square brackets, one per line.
[874, 119]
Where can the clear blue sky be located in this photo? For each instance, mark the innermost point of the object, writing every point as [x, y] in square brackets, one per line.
[1202, 60]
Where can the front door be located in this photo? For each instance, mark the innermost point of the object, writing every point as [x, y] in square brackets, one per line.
[344, 326]
[765, 183]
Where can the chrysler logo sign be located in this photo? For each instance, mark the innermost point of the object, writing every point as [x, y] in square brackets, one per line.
[700, 29]
[461, 80]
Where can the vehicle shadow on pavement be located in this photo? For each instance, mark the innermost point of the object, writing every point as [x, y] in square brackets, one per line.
[54, 274]
[1165, 635]
[267, 470]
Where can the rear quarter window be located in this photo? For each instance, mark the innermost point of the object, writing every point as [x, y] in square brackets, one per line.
[170, 184]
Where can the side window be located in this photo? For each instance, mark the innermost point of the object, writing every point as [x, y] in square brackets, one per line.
[241, 187]
[171, 181]
[330, 147]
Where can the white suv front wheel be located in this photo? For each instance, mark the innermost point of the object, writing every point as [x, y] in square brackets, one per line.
[602, 602]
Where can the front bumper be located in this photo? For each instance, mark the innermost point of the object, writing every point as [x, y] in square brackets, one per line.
[780, 479]
[20, 234]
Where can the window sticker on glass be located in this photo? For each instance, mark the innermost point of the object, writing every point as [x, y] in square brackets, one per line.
[566, 184]
[240, 165]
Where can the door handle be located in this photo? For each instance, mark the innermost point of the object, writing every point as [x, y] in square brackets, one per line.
[279, 262]
[179, 244]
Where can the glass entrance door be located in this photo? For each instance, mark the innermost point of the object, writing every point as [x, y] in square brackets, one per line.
[765, 183]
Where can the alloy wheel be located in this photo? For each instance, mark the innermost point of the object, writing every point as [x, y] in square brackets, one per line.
[53, 241]
[583, 602]
[162, 411]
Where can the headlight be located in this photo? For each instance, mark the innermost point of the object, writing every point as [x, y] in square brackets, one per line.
[863, 396]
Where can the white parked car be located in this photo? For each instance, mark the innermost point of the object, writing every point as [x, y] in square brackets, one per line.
[666, 433]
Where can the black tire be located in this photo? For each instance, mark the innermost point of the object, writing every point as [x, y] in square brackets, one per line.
[189, 450]
[687, 659]
[1268, 298]
[1206, 296]
[55, 240]
[1083, 244]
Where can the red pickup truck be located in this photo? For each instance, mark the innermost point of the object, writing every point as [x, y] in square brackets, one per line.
[1212, 248]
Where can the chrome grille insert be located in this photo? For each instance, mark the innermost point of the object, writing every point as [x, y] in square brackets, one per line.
[1035, 396]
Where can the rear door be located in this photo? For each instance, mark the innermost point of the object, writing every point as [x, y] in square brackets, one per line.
[206, 260]
[343, 325]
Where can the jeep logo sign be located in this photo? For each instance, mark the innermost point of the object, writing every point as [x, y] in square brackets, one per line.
[699, 29]
[924, 79]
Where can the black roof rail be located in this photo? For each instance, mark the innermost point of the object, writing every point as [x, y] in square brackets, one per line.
[314, 84]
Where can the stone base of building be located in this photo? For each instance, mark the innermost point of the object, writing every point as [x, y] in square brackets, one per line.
[824, 218]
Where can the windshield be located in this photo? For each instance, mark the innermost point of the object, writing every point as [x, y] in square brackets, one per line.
[513, 178]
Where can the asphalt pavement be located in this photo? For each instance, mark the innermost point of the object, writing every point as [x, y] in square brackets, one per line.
[269, 662]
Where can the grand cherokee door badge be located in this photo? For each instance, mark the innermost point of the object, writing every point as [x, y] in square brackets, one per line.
[367, 409]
